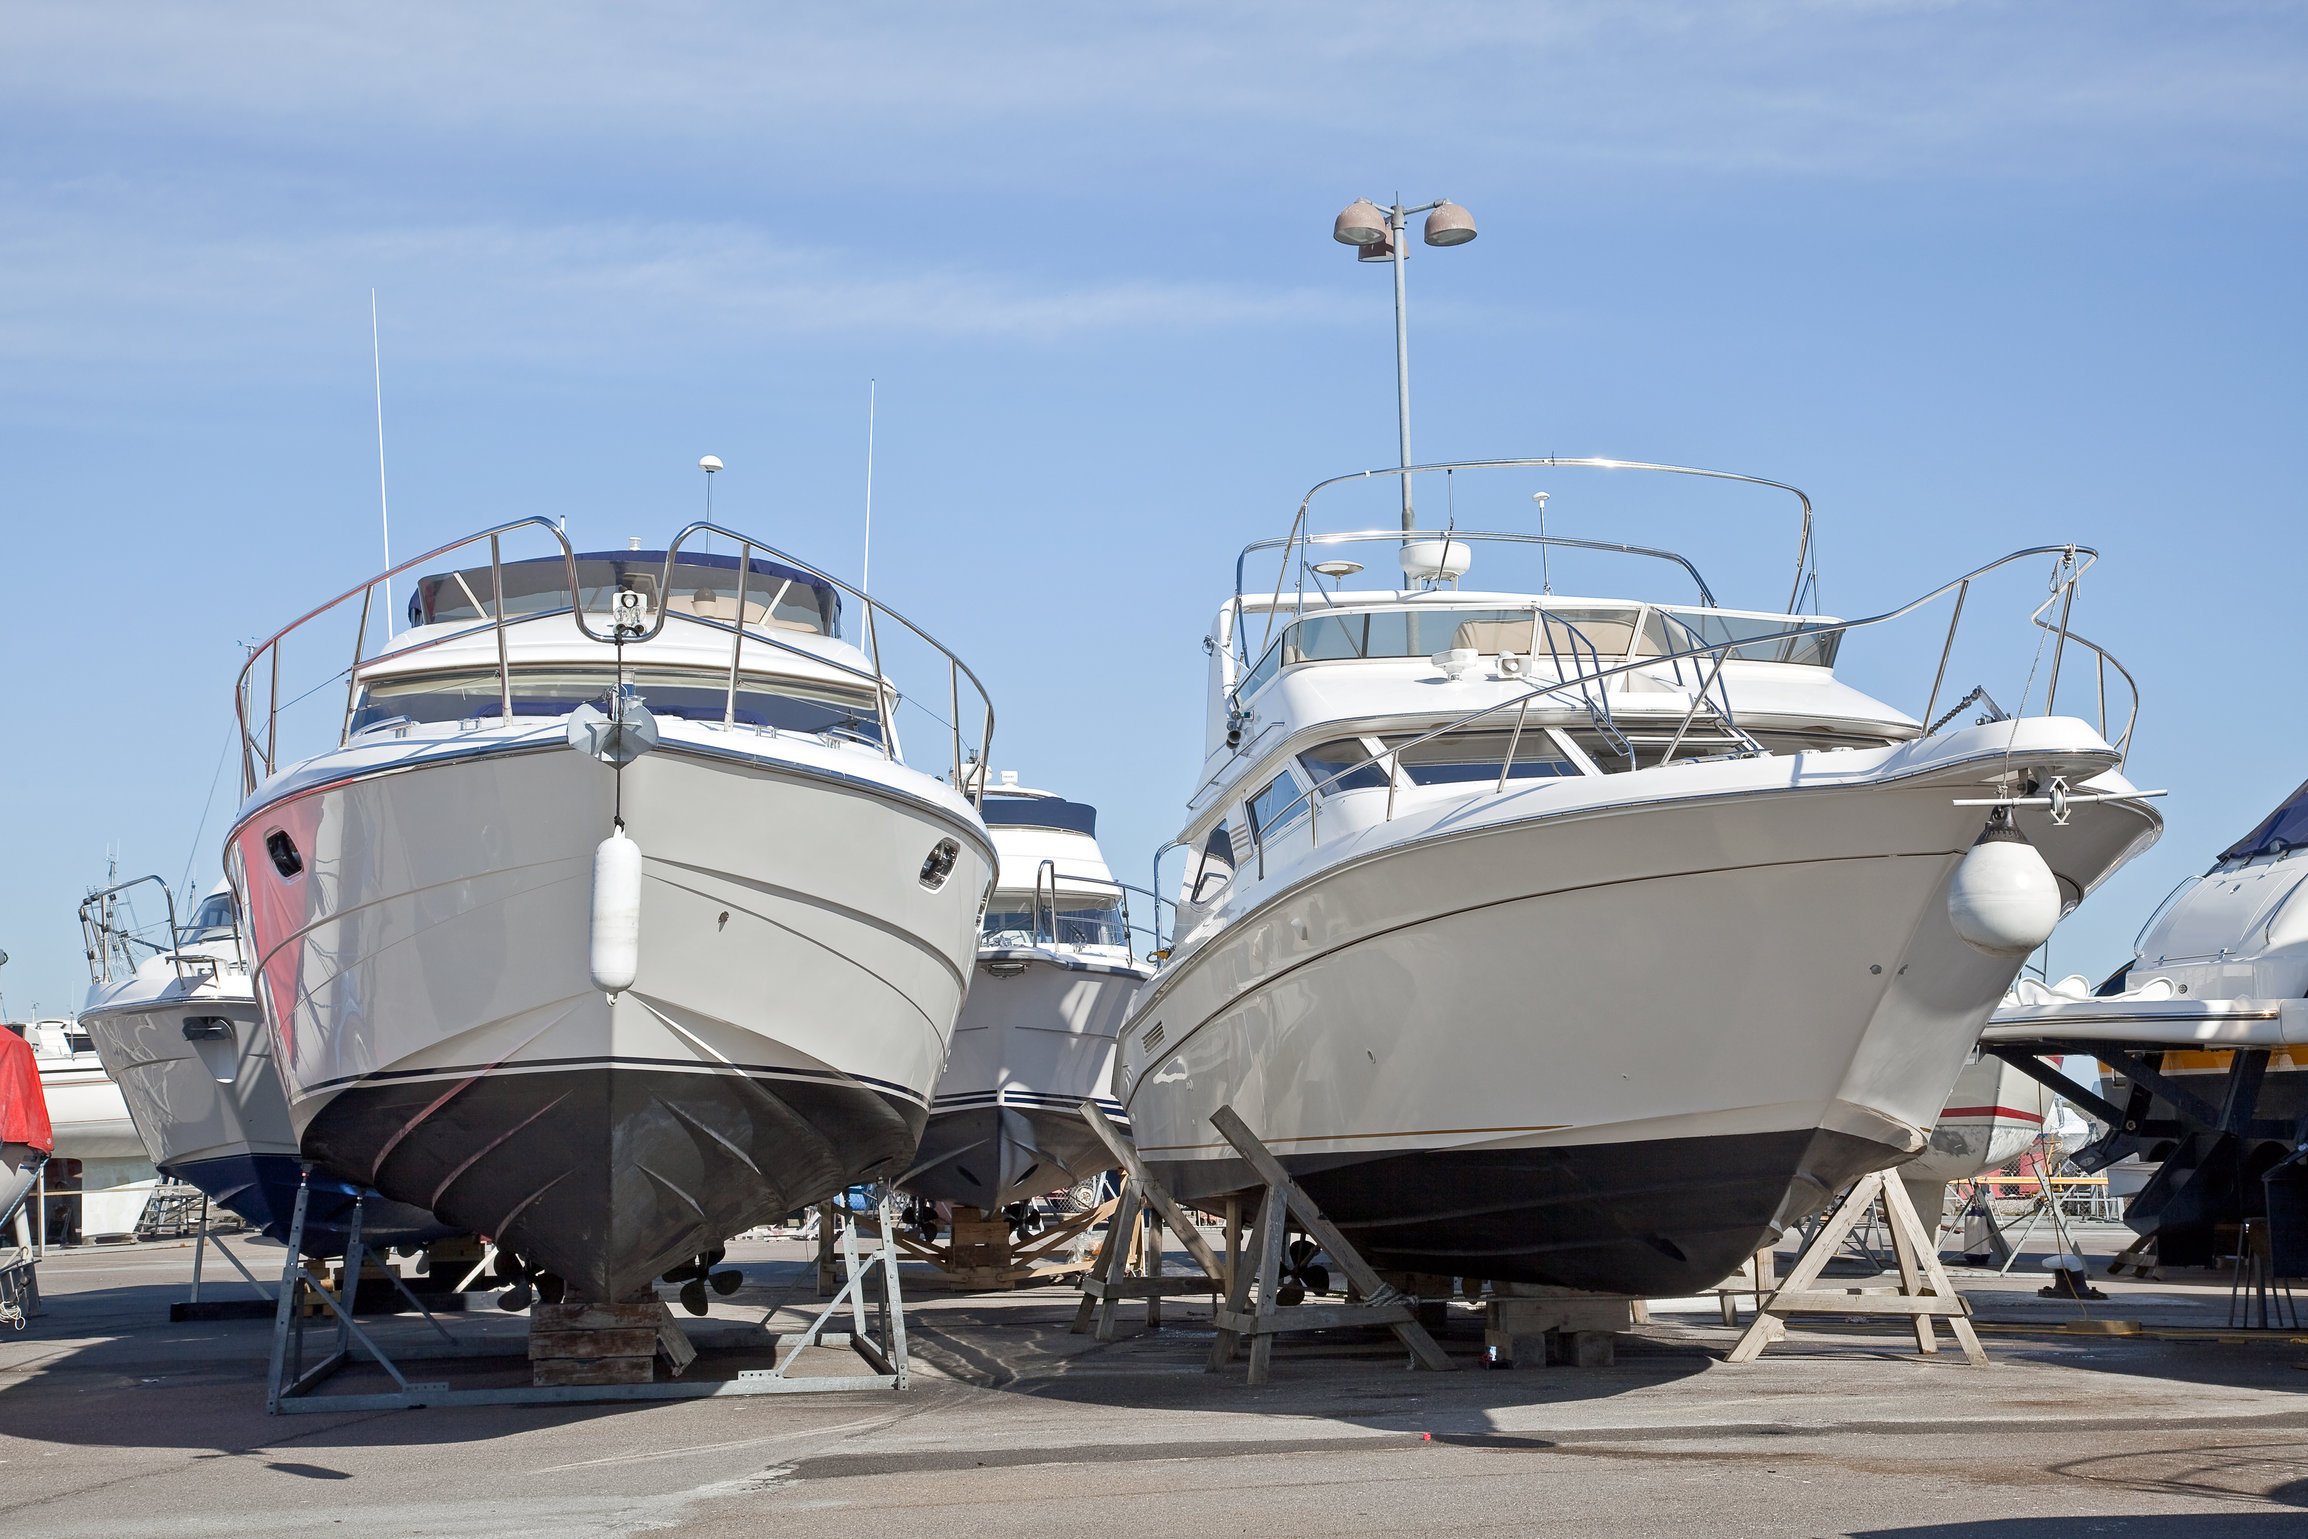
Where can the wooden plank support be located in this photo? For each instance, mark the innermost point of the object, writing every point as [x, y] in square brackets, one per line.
[1109, 1281]
[1380, 1304]
[1924, 1294]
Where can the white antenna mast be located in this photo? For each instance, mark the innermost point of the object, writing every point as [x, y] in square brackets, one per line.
[866, 568]
[384, 509]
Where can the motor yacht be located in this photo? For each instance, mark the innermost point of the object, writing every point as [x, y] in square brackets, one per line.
[1591, 942]
[172, 1016]
[1055, 972]
[2205, 1032]
[612, 918]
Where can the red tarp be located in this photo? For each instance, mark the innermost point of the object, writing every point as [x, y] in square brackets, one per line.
[23, 1109]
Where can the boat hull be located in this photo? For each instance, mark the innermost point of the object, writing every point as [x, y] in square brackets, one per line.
[427, 980]
[1612, 1047]
[210, 1111]
[1035, 1041]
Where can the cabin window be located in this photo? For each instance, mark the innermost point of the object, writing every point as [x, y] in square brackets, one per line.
[1458, 758]
[787, 704]
[1082, 919]
[213, 920]
[1214, 867]
[1329, 759]
[1277, 807]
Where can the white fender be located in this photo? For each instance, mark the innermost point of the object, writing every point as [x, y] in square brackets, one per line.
[2004, 900]
[615, 952]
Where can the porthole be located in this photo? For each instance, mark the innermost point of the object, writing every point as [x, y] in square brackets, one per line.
[283, 851]
[940, 863]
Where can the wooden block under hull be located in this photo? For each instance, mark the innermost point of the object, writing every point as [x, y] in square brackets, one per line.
[551, 1373]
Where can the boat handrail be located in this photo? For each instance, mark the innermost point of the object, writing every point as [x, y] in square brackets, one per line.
[2067, 573]
[1802, 544]
[1471, 536]
[98, 931]
[1129, 927]
[883, 688]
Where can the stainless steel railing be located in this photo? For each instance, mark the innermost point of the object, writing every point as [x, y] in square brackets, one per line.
[2067, 573]
[260, 747]
[1298, 523]
[103, 936]
[1048, 935]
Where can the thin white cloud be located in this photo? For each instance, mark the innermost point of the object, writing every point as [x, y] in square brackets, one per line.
[1013, 90]
[72, 292]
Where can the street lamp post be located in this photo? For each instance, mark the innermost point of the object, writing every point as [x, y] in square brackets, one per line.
[1378, 234]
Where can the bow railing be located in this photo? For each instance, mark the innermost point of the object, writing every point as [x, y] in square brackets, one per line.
[2067, 573]
[260, 721]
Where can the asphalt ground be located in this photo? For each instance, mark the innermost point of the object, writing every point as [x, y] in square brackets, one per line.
[115, 1422]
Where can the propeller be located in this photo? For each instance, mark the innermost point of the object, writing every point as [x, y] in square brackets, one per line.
[698, 1273]
[1301, 1273]
[511, 1270]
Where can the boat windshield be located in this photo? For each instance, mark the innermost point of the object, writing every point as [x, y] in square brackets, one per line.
[1707, 627]
[1013, 919]
[214, 920]
[1365, 634]
[777, 597]
[789, 705]
[1613, 632]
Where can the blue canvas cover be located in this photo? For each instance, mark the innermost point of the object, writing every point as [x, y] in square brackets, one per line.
[2284, 829]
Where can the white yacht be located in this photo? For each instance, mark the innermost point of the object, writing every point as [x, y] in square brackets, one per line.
[1055, 974]
[613, 918]
[1992, 1117]
[1590, 941]
[179, 1033]
[2205, 1031]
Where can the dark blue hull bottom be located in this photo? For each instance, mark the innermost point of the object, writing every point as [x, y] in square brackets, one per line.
[262, 1189]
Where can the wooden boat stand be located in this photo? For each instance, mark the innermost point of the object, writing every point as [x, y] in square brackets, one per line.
[1129, 1261]
[1374, 1302]
[293, 1388]
[1924, 1293]
[980, 1253]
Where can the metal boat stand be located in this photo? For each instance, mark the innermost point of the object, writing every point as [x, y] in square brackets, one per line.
[292, 1387]
[1924, 1293]
[1110, 1281]
[19, 1274]
[1376, 1302]
[194, 1307]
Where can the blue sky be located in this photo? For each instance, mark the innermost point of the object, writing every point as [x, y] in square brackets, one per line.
[1977, 276]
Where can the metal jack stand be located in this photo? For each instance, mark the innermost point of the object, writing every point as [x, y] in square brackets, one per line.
[1108, 1282]
[292, 1385]
[1379, 1305]
[1924, 1293]
[194, 1307]
[19, 1278]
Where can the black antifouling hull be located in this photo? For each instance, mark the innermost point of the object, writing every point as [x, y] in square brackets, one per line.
[1659, 1218]
[609, 1175]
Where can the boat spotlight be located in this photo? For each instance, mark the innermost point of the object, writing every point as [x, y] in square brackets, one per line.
[2003, 900]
